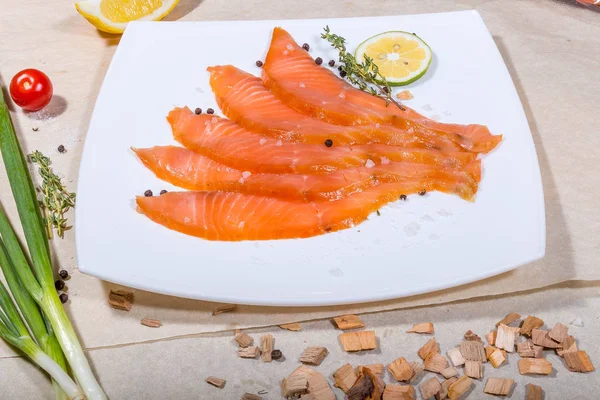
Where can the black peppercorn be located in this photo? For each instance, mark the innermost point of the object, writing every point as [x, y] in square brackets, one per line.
[318, 61]
[63, 298]
[198, 111]
[63, 274]
[329, 143]
[331, 63]
[61, 149]
[306, 47]
[259, 63]
[210, 111]
[342, 73]
[148, 193]
[403, 197]
[276, 354]
[422, 192]
[59, 284]
[163, 191]
[339, 68]
[384, 89]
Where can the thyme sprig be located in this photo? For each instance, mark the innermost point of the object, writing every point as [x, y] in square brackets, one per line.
[56, 200]
[364, 75]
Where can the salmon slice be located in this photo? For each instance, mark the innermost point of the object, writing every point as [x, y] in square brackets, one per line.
[244, 99]
[292, 75]
[226, 142]
[231, 216]
[190, 170]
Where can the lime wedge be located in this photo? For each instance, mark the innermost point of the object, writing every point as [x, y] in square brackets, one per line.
[402, 57]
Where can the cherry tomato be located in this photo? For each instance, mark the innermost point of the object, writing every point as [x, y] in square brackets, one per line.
[31, 89]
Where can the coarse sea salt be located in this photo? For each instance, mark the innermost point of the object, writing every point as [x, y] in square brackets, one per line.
[246, 174]
[302, 85]
[241, 224]
[278, 143]
[369, 164]
[384, 160]
[262, 141]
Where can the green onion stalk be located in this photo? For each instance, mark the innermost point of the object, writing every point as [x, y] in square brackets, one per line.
[38, 280]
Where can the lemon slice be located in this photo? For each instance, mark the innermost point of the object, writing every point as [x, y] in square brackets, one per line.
[112, 16]
[402, 57]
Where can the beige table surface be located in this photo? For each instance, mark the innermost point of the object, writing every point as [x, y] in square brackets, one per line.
[552, 51]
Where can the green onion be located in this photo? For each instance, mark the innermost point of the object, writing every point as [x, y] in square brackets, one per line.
[38, 281]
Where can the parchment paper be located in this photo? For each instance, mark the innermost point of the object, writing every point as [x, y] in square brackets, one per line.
[549, 47]
[176, 369]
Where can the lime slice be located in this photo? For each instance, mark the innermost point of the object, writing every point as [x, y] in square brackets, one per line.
[402, 57]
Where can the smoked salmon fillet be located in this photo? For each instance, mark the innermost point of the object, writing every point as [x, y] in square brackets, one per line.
[226, 142]
[292, 76]
[190, 170]
[231, 216]
[244, 99]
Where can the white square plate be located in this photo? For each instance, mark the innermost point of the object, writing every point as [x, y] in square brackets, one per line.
[421, 245]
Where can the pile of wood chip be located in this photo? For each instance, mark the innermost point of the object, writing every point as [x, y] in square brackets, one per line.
[455, 373]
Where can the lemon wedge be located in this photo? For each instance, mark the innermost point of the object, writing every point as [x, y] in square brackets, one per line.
[402, 57]
[112, 16]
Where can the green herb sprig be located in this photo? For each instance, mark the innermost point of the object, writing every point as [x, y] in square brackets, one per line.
[364, 75]
[56, 199]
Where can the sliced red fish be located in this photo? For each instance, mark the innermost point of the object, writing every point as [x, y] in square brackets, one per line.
[234, 146]
[244, 99]
[190, 170]
[232, 216]
[292, 75]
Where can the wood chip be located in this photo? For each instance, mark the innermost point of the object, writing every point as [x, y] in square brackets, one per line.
[377, 369]
[529, 324]
[345, 377]
[509, 319]
[456, 357]
[404, 95]
[435, 363]
[217, 382]
[120, 299]
[469, 335]
[243, 339]
[559, 333]
[400, 369]
[294, 385]
[449, 372]
[291, 327]
[398, 392]
[496, 358]
[429, 388]
[267, 343]
[425, 327]
[474, 369]
[318, 387]
[535, 366]
[357, 341]
[429, 348]
[250, 396]
[491, 337]
[313, 355]
[248, 352]
[460, 387]
[534, 392]
[224, 308]
[578, 361]
[506, 337]
[498, 386]
[541, 338]
[350, 321]
[568, 346]
[368, 386]
[472, 350]
[418, 369]
[152, 323]
[448, 382]
[528, 349]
